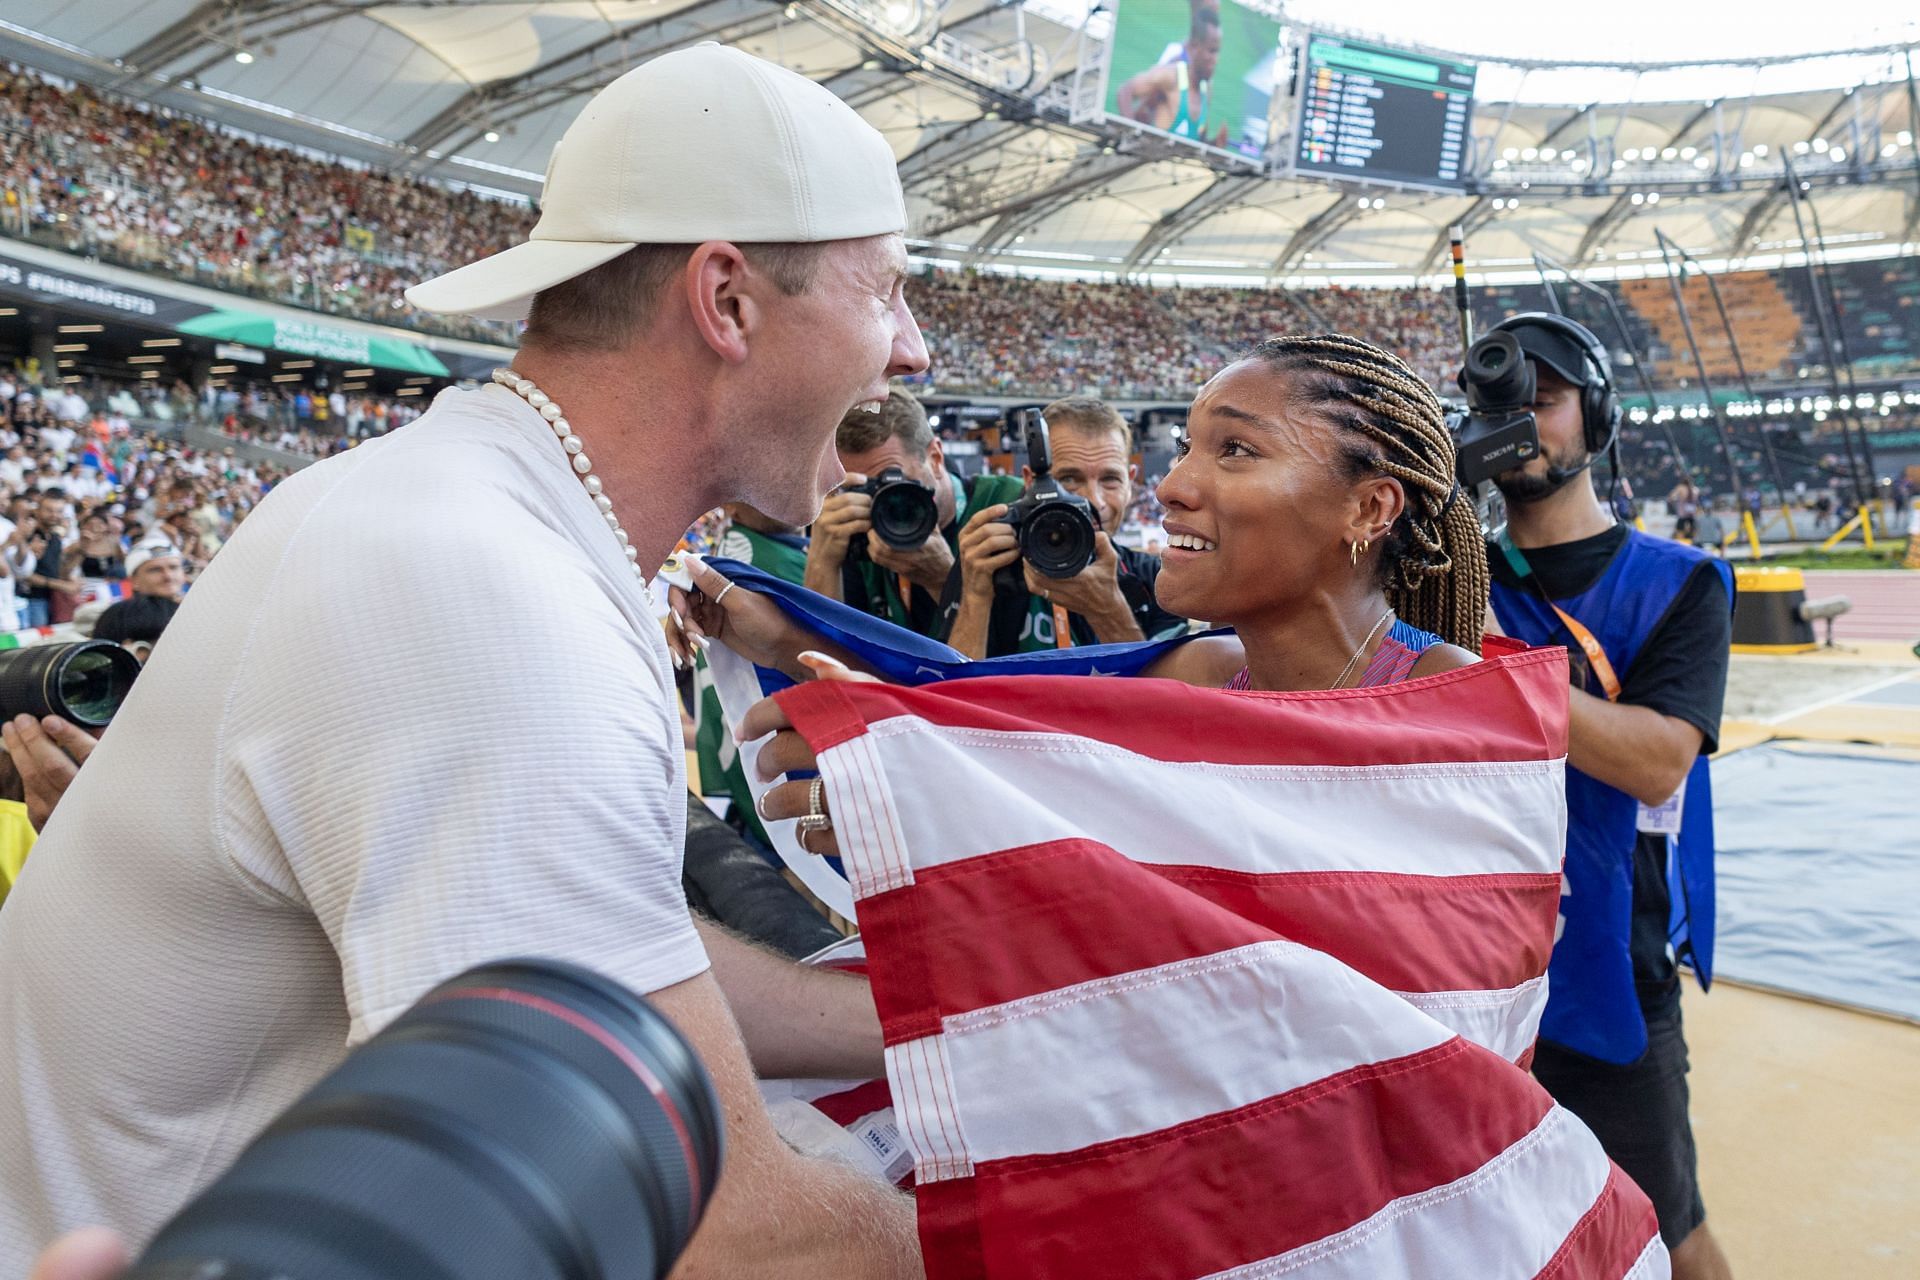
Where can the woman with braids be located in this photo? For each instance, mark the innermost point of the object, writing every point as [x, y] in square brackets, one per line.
[1313, 509]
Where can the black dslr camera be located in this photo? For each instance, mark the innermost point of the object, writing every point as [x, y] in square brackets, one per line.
[1055, 527]
[1497, 431]
[903, 513]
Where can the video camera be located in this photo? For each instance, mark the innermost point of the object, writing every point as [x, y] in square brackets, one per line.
[1497, 431]
[1055, 527]
[903, 512]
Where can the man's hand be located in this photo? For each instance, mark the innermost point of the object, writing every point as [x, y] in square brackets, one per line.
[987, 544]
[843, 517]
[48, 752]
[1093, 593]
[91, 1253]
[926, 566]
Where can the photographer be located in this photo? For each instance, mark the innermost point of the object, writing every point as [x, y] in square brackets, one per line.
[849, 560]
[1647, 623]
[1111, 601]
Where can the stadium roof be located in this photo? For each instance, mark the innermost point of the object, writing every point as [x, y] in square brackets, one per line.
[1579, 162]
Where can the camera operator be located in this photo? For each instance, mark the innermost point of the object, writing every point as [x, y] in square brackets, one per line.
[1109, 602]
[847, 558]
[1647, 623]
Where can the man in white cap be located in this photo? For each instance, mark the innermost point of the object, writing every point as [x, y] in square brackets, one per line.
[419, 714]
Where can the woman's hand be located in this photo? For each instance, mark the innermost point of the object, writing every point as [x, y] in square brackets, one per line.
[787, 751]
[744, 620]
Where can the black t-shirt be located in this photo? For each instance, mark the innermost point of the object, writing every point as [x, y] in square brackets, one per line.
[1013, 625]
[47, 566]
[1680, 671]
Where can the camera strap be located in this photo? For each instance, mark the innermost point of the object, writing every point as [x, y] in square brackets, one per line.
[1589, 644]
[1062, 628]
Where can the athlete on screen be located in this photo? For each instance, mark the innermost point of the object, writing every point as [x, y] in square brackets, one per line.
[1173, 96]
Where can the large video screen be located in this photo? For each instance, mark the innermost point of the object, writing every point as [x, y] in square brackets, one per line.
[1199, 69]
[1370, 112]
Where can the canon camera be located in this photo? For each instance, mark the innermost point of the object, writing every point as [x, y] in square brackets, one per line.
[1055, 527]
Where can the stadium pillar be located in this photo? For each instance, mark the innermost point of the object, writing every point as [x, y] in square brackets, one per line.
[44, 331]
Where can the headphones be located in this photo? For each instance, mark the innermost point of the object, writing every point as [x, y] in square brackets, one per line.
[1600, 410]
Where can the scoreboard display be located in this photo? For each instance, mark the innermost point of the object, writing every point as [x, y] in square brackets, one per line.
[1369, 112]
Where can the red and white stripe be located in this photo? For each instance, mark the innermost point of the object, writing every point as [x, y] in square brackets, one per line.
[1183, 983]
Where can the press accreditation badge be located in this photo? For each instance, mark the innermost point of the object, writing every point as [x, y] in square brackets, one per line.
[1663, 819]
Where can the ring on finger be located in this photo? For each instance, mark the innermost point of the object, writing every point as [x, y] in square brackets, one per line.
[723, 592]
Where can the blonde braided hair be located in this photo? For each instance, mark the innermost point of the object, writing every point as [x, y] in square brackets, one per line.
[1433, 564]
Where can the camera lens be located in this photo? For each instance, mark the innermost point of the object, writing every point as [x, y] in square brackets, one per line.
[1057, 540]
[1496, 374]
[903, 514]
[84, 682]
[528, 1120]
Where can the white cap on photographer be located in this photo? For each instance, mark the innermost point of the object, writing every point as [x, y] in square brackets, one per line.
[707, 143]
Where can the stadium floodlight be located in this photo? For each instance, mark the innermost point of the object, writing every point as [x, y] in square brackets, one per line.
[1760, 149]
[1904, 137]
[1801, 148]
[1703, 162]
[491, 135]
[1887, 151]
[1746, 160]
[1511, 153]
[1530, 153]
[1638, 197]
[1688, 153]
[1618, 165]
[243, 57]
[1579, 164]
[1631, 153]
[1819, 144]
[1669, 153]
[1653, 197]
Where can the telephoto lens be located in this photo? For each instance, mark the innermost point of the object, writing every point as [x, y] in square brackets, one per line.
[527, 1120]
[84, 682]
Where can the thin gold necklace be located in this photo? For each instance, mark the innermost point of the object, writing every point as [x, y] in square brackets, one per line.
[1348, 669]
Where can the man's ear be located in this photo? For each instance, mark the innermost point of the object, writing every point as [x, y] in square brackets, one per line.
[936, 456]
[719, 288]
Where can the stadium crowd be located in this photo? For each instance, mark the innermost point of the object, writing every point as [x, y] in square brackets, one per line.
[160, 191]
[1013, 336]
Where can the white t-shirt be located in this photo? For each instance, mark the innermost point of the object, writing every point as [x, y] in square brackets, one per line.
[417, 715]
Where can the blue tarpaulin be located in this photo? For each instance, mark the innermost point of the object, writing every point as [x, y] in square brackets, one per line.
[1819, 874]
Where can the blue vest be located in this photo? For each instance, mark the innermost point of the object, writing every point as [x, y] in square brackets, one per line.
[1591, 1003]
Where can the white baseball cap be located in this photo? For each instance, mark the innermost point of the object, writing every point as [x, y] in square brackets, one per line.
[707, 143]
[138, 557]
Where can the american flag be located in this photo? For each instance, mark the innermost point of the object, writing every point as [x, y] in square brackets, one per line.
[1182, 983]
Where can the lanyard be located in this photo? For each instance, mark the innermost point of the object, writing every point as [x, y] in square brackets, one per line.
[1588, 642]
[1062, 628]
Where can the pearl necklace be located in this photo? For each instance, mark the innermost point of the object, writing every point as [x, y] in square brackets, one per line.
[543, 404]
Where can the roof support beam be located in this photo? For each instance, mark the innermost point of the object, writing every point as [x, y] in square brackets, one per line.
[1480, 210]
[1315, 231]
[1616, 213]
[1224, 191]
[1763, 209]
[585, 70]
[1011, 217]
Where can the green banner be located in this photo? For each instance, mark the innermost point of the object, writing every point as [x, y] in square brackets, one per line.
[321, 341]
